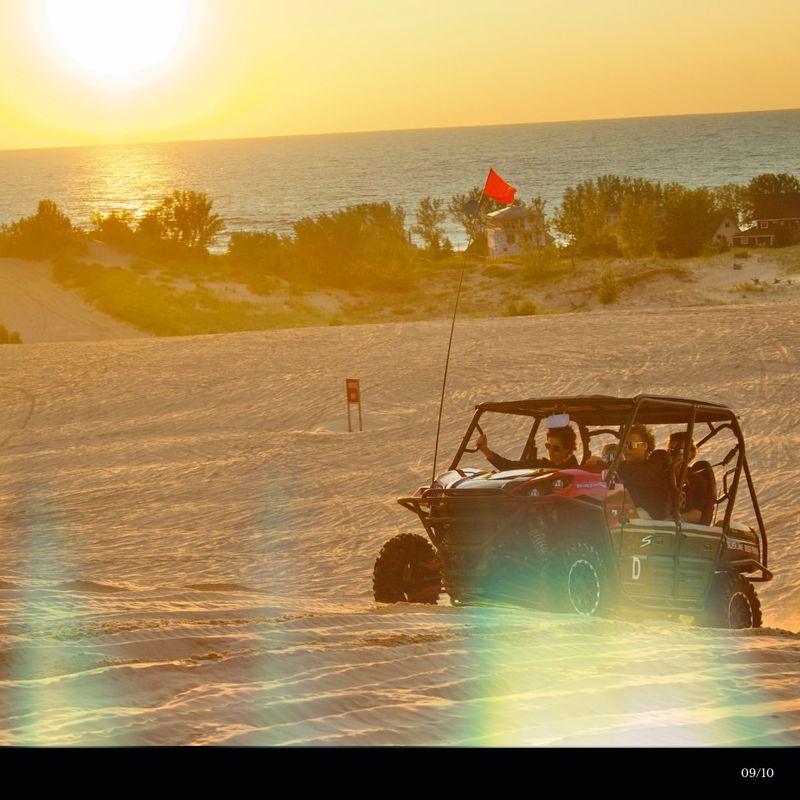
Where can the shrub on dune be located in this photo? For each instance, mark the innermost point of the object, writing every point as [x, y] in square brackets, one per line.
[44, 234]
[9, 337]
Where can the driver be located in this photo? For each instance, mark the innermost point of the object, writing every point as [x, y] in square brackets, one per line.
[561, 443]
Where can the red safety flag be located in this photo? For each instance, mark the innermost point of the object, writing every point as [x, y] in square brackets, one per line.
[498, 189]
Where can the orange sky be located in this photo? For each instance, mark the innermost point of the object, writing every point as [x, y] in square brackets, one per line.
[242, 68]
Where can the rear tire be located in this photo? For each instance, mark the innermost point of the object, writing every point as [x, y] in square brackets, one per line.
[407, 570]
[732, 603]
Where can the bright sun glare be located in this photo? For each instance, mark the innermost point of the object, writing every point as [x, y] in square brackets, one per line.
[118, 43]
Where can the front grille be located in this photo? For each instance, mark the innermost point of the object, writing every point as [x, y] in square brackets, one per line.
[491, 543]
[465, 518]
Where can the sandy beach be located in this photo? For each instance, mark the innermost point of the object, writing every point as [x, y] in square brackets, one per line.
[189, 533]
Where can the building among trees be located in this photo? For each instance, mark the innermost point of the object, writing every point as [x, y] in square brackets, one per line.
[512, 229]
[777, 221]
[727, 231]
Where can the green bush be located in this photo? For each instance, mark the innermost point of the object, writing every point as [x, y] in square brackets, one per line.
[9, 337]
[690, 219]
[257, 259]
[364, 245]
[44, 234]
[185, 218]
[181, 225]
[614, 213]
[496, 271]
[540, 263]
[469, 210]
[430, 218]
[525, 308]
[115, 228]
[749, 288]
[587, 209]
[608, 290]
[168, 311]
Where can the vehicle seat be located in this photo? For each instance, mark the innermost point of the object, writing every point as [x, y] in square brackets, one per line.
[650, 483]
[660, 462]
[701, 478]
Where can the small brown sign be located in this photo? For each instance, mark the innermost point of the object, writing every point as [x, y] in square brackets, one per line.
[353, 390]
[353, 396]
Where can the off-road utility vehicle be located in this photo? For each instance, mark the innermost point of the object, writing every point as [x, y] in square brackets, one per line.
[578, 539]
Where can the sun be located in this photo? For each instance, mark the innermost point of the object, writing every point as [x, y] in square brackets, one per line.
[118, 43]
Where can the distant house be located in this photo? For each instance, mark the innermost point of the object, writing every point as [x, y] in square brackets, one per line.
[727, 230]
[511, 228]
[752, 237]
[775, 215]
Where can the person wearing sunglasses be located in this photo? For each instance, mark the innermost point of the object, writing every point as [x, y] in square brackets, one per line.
[643, 470]
[639, 444]
[561, 444]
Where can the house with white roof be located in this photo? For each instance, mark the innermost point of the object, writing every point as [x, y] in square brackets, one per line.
[512, 228]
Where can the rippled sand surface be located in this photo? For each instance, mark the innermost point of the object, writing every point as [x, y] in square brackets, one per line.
[188, 535]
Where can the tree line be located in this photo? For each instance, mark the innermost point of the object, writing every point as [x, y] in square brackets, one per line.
[370, 245]
[181, 224]
[615, 214]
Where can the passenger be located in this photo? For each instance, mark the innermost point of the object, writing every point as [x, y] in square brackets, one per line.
[645, 472]
[608, 452]
[561, 443]
[639, 444]
[695, 497]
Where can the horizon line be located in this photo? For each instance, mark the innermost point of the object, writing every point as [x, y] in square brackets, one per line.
[398, 130]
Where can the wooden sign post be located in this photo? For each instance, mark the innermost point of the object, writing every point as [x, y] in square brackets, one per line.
[353, 396]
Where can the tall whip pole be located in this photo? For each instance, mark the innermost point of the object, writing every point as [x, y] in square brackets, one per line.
[449, 347]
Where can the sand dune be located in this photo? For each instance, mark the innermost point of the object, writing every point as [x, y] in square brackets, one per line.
[41, 311]
[188, 535]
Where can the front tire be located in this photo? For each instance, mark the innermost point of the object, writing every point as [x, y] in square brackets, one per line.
[732, 603]
[407, 570]
[582, 585]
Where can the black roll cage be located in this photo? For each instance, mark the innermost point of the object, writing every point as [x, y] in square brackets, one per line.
[624, 413]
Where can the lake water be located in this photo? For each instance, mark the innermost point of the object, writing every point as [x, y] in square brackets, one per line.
[269, 183]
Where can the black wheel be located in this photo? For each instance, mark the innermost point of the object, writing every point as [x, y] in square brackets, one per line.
[581, 584]
[732, 603]
[407, 570]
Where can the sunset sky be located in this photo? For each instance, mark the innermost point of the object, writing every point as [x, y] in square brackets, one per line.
[96, 71]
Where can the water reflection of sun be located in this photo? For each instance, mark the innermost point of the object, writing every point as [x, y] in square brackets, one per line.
[126, 178]
[118, 43]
